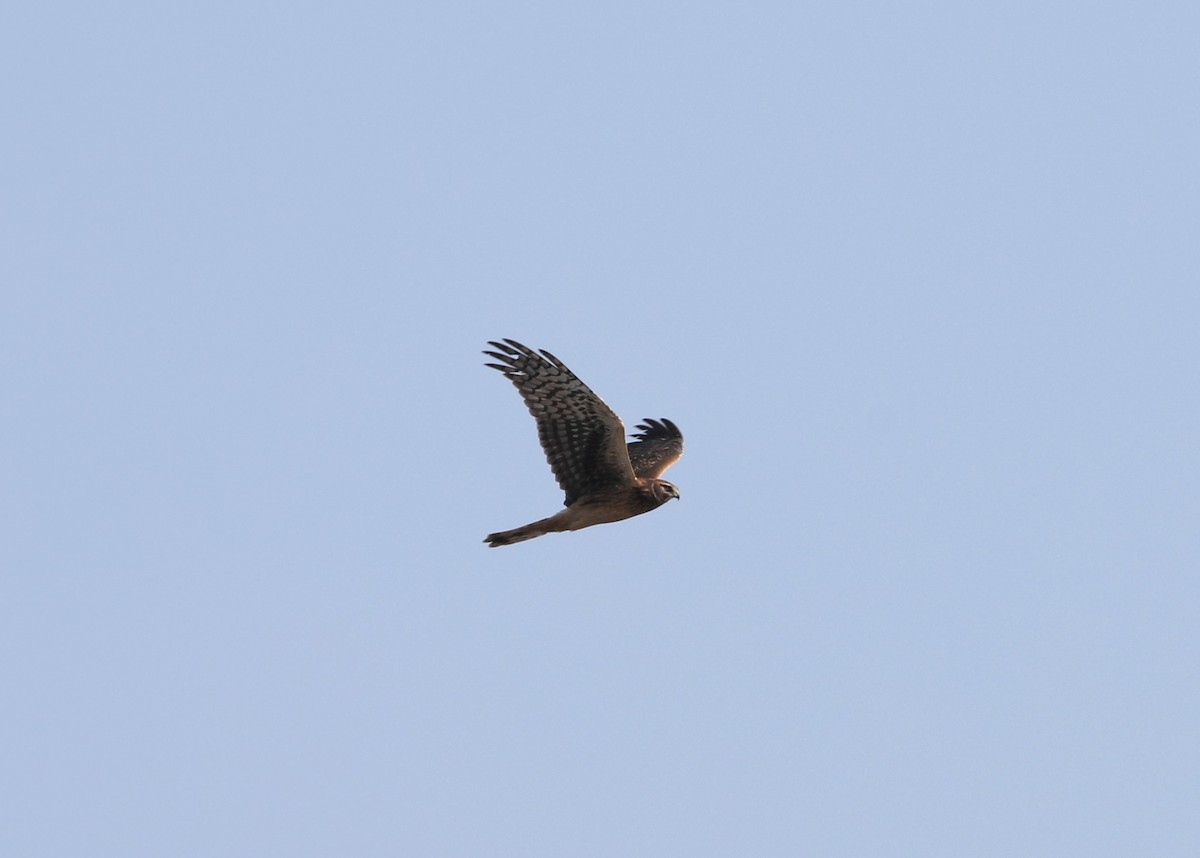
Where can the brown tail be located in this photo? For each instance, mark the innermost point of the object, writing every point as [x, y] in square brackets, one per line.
[520, 534]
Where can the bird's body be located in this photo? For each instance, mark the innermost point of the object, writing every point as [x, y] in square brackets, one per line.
[600, 507]
[604, 479]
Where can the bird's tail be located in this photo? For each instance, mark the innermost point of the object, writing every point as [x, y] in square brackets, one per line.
[520, 534]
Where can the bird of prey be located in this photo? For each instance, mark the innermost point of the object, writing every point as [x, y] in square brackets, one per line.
[604, 478]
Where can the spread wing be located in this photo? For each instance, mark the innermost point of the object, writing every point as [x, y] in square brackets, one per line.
[583, 439]
[658, 446]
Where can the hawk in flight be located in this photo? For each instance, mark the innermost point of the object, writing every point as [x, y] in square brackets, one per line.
[604, 478]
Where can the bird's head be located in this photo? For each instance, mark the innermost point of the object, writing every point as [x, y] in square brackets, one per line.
[664, 491]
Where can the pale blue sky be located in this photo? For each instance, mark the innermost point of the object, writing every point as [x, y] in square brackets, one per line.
[919, 282]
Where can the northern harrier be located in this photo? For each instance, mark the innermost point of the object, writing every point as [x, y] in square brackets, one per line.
[604, 478]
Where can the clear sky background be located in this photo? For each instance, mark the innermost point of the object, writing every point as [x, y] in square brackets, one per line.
[919, 282]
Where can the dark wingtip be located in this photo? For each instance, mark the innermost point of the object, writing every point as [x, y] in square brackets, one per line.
[662, 428]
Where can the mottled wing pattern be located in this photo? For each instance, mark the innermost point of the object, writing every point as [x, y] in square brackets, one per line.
[658, 446]
[583, 439]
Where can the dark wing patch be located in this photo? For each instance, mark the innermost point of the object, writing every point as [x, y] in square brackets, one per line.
[658, 446]
[583, 439]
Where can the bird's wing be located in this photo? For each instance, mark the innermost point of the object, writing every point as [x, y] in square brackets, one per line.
[583, 439]
[658, 446]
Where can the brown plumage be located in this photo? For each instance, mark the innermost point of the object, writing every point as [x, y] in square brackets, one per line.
[604, 478]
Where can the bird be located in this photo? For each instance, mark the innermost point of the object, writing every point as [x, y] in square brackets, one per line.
[604, 478]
